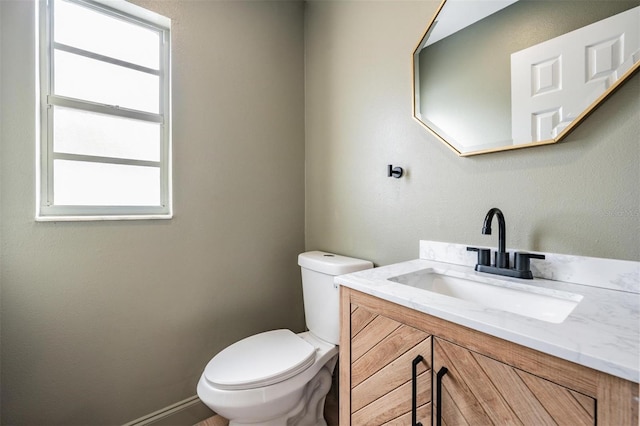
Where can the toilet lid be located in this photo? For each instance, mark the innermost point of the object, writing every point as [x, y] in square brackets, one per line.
[260, 360]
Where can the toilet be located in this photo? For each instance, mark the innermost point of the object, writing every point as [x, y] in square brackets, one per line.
[279, 378]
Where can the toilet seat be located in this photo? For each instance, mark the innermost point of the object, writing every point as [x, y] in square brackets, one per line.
[260, 360]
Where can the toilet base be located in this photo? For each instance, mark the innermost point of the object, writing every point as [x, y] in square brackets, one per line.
[310, 410]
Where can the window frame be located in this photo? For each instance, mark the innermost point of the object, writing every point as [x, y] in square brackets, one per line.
[119, 9]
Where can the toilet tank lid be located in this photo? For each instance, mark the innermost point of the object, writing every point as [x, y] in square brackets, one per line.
[331, 264]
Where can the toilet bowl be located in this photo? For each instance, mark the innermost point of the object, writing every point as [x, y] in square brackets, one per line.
[246, 402]
[277, 377]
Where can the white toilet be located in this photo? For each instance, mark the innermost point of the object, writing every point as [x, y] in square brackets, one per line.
[279, 378]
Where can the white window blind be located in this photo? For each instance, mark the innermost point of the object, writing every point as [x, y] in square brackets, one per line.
[105, 150]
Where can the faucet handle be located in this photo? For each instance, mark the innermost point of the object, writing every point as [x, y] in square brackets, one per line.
[522, 260]
[484, 255]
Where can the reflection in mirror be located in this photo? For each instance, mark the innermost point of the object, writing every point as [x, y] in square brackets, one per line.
[491, 75]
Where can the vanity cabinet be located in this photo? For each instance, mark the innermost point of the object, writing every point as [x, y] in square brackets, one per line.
[488, 380]
[479, 390]
[388, 359]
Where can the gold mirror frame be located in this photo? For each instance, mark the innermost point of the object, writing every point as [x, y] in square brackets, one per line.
[442, 135]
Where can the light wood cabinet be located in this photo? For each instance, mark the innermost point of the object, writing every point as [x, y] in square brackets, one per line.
[478, 390]
[489, 380]
[383, 354]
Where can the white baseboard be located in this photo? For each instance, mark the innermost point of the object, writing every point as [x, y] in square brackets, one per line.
[187, 412]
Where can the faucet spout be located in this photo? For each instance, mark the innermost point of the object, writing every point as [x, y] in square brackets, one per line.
[486, 228]
[502, 257]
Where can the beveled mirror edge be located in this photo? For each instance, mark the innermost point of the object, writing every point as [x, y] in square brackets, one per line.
[565, 132]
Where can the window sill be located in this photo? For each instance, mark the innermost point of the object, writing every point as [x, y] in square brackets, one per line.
[101, 218]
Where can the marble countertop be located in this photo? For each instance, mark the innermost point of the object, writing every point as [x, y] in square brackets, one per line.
[602, 332]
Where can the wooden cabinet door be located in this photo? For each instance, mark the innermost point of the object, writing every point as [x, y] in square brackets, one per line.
[382, 356]
[478, 390]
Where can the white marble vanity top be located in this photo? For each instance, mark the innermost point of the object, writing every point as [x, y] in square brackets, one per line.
[602, 332]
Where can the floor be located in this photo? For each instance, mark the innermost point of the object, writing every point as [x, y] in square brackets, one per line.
[330, 411]
[214, 421]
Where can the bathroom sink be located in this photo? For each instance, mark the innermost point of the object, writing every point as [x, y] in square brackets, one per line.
[523, 299]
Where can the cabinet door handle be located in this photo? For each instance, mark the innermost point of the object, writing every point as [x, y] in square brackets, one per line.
[414, 390]
[439, 375]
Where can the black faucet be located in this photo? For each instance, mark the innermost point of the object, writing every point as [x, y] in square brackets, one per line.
[501, 260]
[502, 257]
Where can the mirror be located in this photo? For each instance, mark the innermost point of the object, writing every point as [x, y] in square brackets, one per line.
[492, 75]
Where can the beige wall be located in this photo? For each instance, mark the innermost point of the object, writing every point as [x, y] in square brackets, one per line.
[581, 196]
[104, 322]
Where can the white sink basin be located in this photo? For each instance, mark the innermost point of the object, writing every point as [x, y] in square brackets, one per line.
[523, 299]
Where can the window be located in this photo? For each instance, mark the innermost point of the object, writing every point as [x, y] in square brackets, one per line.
[104, 120]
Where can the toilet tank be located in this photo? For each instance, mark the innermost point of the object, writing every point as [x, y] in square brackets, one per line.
[321, 296]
